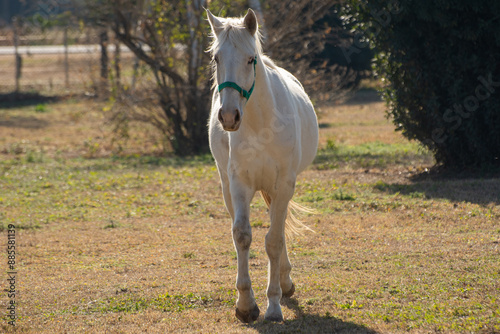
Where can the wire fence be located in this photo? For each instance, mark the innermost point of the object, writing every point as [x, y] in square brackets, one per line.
[66, 61]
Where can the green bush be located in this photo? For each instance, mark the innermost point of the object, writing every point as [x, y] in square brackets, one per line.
[440, 60]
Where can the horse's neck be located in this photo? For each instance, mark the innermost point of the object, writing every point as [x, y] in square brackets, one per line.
[260, 109]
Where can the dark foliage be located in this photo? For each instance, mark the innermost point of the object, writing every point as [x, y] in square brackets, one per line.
[306, 37]
[353, 68]
[441, 63]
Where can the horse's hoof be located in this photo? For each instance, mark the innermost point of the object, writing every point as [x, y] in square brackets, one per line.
[248, 316]
[274, 318]
[289, 293]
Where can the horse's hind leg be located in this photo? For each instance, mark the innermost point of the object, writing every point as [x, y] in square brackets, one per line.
[275, 246]
[286, 284]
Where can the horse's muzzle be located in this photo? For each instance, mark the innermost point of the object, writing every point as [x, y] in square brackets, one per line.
[230, 120]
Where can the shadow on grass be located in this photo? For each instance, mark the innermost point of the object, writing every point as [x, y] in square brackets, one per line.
[364, 96]
[310, 323]
[137, 161]
[16, 100]
[473, 189]
[170, 160]
[325, 125]
[24, 122]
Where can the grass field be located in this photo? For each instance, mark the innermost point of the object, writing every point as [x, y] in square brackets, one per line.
[112, 238]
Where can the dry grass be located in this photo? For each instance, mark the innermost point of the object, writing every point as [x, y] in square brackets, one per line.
[360, 120]
[136, 243]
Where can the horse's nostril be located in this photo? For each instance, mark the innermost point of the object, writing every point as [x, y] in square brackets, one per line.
[230, 120]
[220, 116]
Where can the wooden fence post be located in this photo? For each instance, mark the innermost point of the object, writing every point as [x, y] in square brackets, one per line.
[66, 59]
[19, 59]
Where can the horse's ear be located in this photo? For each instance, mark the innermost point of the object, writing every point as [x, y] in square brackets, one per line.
[250, 22]
[215, 23]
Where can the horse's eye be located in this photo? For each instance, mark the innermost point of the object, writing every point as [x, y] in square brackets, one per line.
[251, 60]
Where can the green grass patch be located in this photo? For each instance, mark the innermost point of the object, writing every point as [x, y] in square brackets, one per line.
[189, 255]
[111, 224]
[41, 108]
[369, 155]
[341, 195]
[259, 223]
[37, 190]
[252, 254]
[130, 303]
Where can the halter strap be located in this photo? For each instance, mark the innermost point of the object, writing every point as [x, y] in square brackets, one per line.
[244, 93]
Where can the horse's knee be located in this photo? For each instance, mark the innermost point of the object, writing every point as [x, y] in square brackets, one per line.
[274, 245]
[242, 236]
[243, 284]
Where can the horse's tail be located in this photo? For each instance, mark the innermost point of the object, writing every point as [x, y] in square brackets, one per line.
[293, 225]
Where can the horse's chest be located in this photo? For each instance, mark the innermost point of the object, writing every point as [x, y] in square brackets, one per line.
[262, 172]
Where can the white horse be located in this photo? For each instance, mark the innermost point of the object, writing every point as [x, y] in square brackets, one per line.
[263, 133]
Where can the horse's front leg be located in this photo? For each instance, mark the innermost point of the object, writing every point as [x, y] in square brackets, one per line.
[275, 246]
[241, 196]
[287, 286]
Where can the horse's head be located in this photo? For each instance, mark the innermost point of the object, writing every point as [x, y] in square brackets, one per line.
[235, 49]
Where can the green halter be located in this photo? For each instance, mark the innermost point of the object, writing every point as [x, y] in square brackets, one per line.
[244, 93]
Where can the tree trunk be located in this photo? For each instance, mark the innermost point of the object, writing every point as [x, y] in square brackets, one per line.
[103, 41]
[117, 65]
[195, 110]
